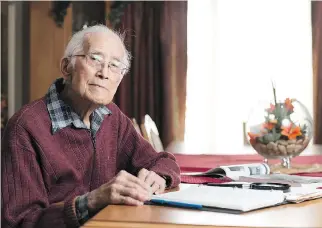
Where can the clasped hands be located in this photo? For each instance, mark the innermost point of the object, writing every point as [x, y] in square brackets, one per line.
[128, 189]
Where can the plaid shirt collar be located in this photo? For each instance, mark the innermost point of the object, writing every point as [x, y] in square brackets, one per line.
[62, 115]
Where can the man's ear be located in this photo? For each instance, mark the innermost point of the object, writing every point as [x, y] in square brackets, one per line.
[65, 67]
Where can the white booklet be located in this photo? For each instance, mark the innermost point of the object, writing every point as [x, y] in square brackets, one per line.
[235, 171]
[233, 200]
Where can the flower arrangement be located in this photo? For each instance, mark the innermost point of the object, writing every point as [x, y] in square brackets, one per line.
[278, 135]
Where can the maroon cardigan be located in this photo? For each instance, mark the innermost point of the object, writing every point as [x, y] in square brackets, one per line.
[39, 169]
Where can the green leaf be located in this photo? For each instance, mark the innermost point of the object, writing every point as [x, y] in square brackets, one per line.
[304, 127]
[261, 140]
[268, 138]
[276, 136]
[281, 112]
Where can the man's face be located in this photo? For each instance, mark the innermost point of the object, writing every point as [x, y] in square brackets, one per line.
[97, 70]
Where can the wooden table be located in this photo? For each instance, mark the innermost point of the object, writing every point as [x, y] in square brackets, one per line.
[306, 214]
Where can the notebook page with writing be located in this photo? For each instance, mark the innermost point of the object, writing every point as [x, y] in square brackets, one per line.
[226, 198]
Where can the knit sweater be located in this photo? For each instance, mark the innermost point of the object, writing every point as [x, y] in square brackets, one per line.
[42, 172]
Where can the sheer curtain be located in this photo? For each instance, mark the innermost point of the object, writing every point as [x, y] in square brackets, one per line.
[235, 49]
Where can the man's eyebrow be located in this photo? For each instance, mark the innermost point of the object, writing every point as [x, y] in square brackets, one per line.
[118, 59]
[96, 52]
[101, 53]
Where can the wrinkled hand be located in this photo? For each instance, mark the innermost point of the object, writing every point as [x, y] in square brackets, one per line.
[124, 188]
[152, 179]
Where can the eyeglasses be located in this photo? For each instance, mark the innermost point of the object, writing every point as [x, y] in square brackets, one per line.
[98, 61]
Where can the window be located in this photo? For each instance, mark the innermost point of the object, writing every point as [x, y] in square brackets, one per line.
[235, 49]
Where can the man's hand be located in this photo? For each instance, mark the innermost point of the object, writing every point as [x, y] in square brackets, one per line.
[152, 179]
[124, 188]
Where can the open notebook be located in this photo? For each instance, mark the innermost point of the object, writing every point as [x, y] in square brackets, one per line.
[235, 200]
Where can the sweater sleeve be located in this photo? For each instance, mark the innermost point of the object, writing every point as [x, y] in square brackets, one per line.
[143, 155]
[23, 192]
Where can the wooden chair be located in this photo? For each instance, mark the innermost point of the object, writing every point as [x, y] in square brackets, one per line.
[150, 133]
[136, 126]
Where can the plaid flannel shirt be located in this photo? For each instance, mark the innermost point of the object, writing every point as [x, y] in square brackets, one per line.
[61, 116]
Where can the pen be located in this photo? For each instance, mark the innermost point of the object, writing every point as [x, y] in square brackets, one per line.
[177, 204]
[230, 185]
[257, 186]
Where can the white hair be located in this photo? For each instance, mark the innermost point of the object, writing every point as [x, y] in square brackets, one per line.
[75, 44]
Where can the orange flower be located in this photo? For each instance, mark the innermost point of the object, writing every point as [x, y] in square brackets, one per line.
[290, 132]
[268, 126]
[288, 104]
[253, 137]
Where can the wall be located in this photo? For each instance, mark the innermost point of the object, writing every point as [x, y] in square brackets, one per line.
[47, 43]
[4, 47]
[15, 59]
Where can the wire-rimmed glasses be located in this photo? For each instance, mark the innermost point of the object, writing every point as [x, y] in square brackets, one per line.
[98, 61]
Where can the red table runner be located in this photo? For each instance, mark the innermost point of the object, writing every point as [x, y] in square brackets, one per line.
[203, 180]
[200, 163]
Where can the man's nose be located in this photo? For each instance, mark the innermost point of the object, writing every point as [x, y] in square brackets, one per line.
[103, 72]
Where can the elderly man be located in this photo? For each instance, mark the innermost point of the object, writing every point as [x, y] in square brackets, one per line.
[73, 152]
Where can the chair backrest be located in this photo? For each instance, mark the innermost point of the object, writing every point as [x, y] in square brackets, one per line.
[150, 132]
[136, 126]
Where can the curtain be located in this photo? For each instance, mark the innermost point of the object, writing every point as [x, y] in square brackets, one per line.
[317, 68]
[156, 35]
[232, 62]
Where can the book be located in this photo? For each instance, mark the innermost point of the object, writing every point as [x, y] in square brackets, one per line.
[235, 171]
[233, 200]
